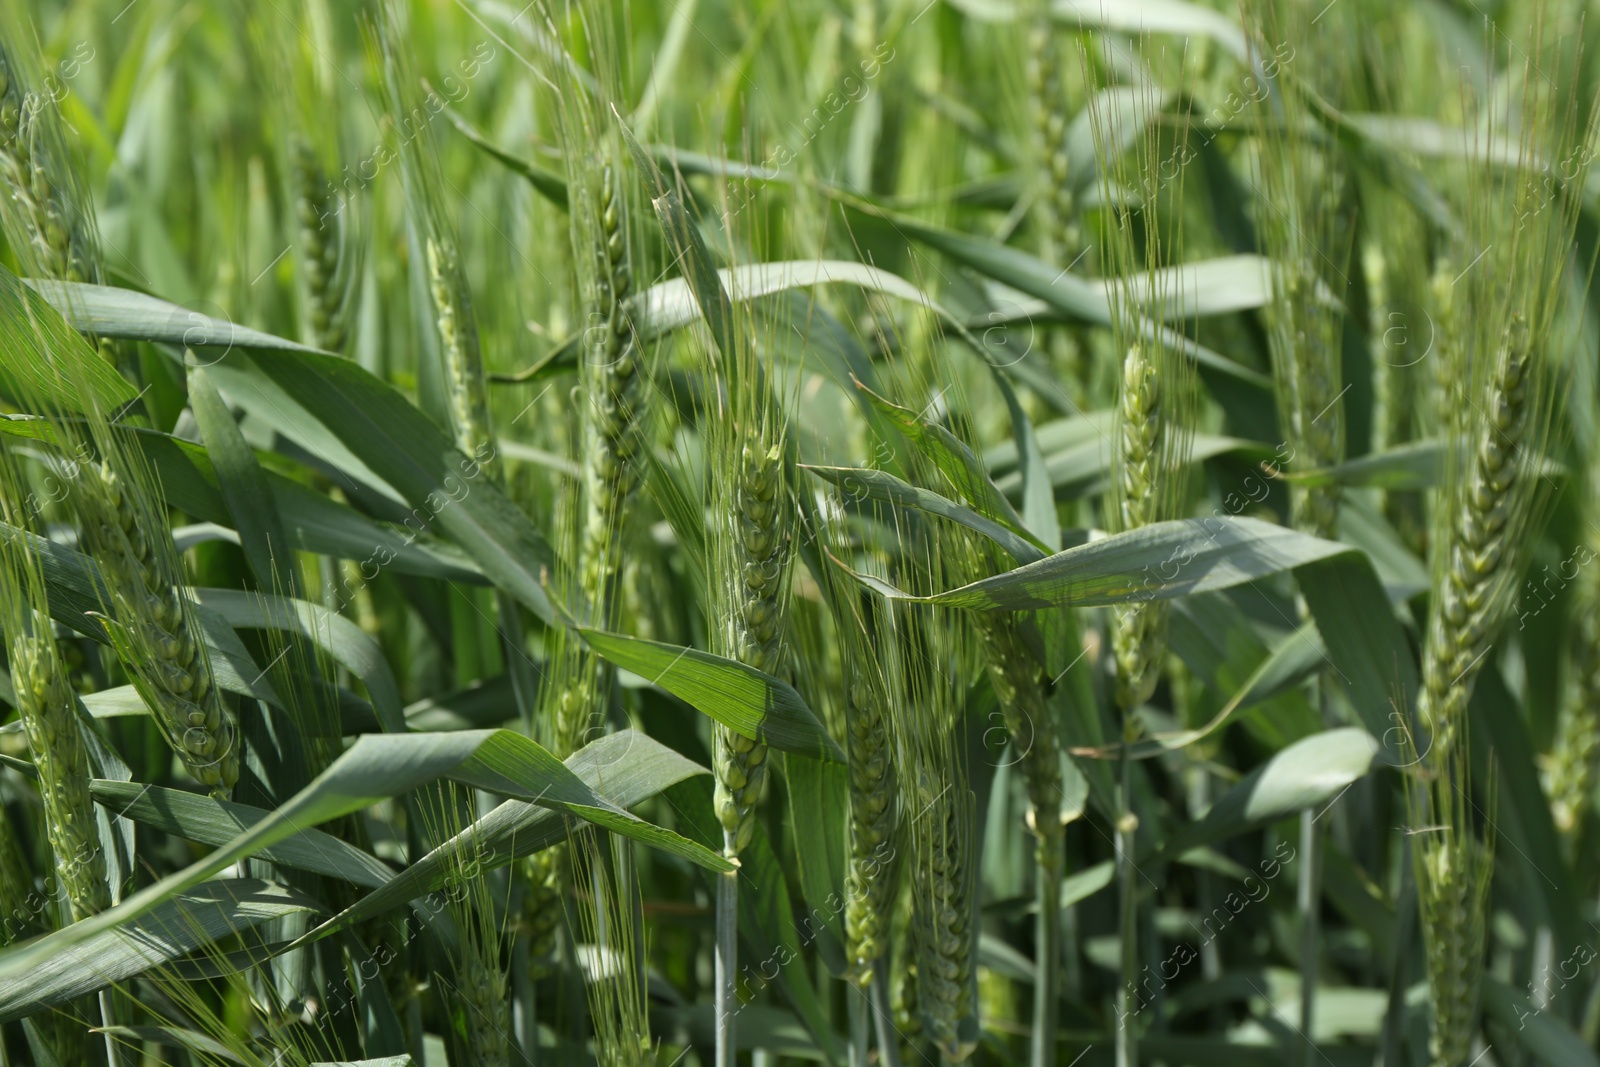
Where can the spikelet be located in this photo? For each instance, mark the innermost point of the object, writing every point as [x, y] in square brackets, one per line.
[602, 242]
[1570, 771]
[479, 1007]
[321, 225]
[1454, 868]
[1047, 107]
[1477, 576]
[1570, 776]
[753, 591]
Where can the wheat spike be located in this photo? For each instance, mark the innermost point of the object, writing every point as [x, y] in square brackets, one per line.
[46, 215]
[1139, 629]
[869, 889]
[154, 630]
[319, 223]
[1476, 570]
[1570, 777]
[50, 720]
[756, 579]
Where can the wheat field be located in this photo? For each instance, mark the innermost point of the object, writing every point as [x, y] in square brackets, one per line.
[861, 532]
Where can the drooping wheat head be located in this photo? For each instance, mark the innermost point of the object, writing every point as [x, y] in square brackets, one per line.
[152, 622]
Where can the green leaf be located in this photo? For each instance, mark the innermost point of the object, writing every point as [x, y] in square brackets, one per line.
[195, 918]
[1075, 298]
[743, 699]
[1285, 667]
[626, 767]
[548, 184]
[955, 461]
[345, 642]
[174, 1037]
[1155, 562]
[865, 482]
[105, 311]
[1541, 1033]
[377, 767]
[1368, 652]
[217, 822]
[1312, 771]
[405, 451]
[772, 951]
[244, 486]
[1138, 17]
[314, 522]
[42, 359]
[78, 596]
[819, 809]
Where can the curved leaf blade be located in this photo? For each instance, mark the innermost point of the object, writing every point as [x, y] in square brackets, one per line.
[742, 698]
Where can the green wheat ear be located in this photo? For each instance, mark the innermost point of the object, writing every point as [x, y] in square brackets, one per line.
[48, 709]
[46, 213]
[152, 624]
[870, 878]
[754, 584]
